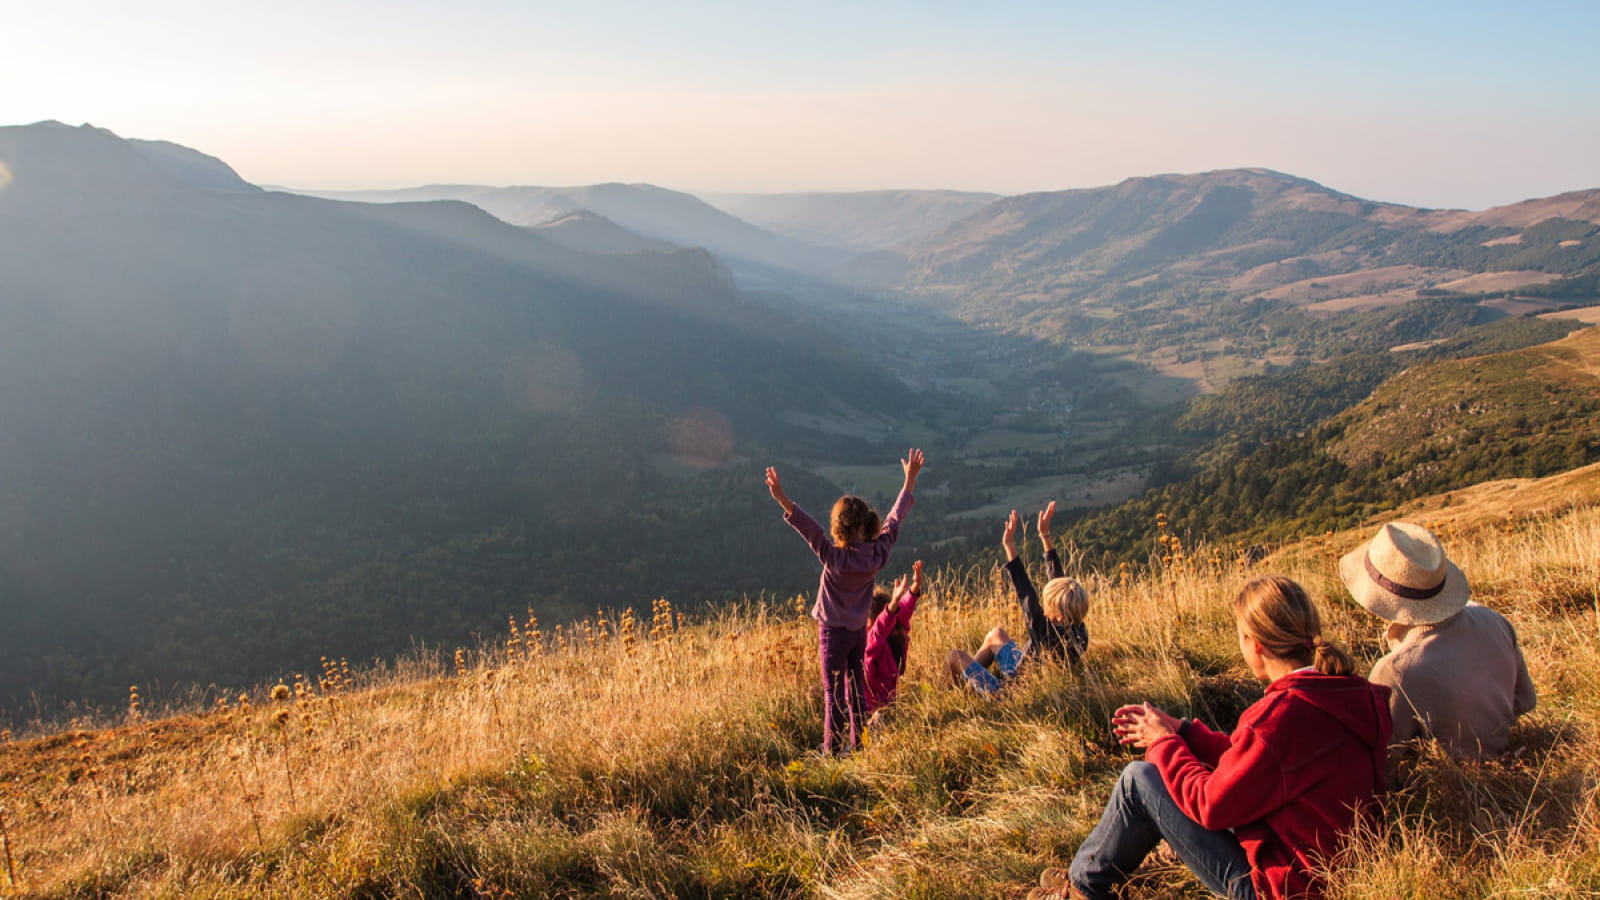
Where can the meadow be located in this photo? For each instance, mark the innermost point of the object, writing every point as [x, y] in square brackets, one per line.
[668, 757]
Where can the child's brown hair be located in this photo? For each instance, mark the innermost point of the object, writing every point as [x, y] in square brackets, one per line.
[853, 520]
[880, 601]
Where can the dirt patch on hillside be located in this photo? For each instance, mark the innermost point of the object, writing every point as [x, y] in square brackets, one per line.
[1364, 302]
[1373, 287]
[1589, 314]
[1489, 282]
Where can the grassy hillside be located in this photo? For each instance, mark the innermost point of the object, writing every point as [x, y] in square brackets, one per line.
[1431, 428]
[660, 759]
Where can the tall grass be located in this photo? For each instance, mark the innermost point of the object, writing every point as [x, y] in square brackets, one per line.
[612, 761]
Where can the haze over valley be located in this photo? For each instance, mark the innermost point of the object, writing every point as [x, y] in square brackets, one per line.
[245, 428]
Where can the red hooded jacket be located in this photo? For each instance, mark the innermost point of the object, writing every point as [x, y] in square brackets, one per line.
[1305, 761]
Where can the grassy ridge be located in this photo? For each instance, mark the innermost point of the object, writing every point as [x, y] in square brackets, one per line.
[1431, 428]
[656, 760]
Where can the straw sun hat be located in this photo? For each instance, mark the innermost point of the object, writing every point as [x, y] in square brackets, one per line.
[1402, 575]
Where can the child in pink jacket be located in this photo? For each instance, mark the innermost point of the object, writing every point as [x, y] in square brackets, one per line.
[888, 634]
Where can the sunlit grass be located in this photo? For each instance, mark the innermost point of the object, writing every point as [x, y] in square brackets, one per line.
[624, 758]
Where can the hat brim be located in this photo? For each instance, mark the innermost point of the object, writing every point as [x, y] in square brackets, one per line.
[1390, 608]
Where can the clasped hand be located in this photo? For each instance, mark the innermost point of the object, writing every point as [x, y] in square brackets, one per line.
[1141, 725]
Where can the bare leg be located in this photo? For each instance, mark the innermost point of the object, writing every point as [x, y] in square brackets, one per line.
[991, 645]
[956, 662]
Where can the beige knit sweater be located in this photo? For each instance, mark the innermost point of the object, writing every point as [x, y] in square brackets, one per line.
[1462, 681]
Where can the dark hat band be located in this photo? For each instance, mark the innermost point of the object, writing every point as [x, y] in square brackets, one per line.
[1400, 590]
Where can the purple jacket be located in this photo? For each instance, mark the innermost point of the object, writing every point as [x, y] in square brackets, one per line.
[882, 670]
[844, 596]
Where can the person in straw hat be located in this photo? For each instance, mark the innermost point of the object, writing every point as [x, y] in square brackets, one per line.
[1454, 667]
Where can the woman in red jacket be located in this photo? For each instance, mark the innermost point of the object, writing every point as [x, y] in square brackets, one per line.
[1255, 813]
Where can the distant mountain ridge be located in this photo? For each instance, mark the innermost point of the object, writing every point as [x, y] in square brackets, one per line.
[1225, 225]
[1241, 231]
[646, 210]
[589, 232]
[863, 220]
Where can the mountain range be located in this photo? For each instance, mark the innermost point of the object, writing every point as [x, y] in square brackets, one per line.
[239, 423]
[245, 427]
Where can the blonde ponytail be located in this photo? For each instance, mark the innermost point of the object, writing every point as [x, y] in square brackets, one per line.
[1330, 658]
[1279, 614]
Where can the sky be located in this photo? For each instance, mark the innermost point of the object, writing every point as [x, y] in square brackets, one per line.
[1439, 104]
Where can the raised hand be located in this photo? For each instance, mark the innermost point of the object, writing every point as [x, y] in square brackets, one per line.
[916, 578]
[1141, 725]
[911, 465]
[899, 591]
[775, 488]
[1045, 515]
[1008, 540]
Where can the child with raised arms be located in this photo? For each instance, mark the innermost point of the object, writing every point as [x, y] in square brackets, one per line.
[1054, 616]
[852, 552]
[889, 637]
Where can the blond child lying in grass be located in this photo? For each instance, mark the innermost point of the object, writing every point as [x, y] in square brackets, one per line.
[1055, 617]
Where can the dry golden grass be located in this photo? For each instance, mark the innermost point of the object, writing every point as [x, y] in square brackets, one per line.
[621, 758]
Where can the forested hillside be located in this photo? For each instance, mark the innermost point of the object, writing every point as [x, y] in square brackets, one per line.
[1433, 427]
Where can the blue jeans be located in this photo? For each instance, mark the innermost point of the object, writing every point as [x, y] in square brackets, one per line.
[1138, 816]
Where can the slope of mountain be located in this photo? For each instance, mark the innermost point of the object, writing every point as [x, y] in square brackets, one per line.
[1429, 429]
[653, 212]
[1205, 277]
[685, 763]
[1263, 227]
[861, 220]
[240, 425]
[588, 232]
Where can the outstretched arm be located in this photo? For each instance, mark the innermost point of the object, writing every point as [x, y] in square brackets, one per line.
[1045, 515]
[775, 488]
[1052, 562]
[1008, 539]
[911, 465]
[896, 593]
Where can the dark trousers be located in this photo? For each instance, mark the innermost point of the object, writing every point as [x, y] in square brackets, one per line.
[842, 652]
[1138, 816]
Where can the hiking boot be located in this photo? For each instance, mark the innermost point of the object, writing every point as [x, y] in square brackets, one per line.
[1067, 892]
[1054, 885]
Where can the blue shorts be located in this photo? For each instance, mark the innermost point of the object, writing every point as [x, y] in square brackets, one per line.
[1009, 659]
[981, 679]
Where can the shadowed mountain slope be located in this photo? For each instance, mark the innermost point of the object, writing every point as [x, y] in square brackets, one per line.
[242, 425]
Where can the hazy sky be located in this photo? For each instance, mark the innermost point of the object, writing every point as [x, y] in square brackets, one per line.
[1454, 103]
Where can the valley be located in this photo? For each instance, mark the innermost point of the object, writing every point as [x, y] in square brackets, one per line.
[250, 428]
